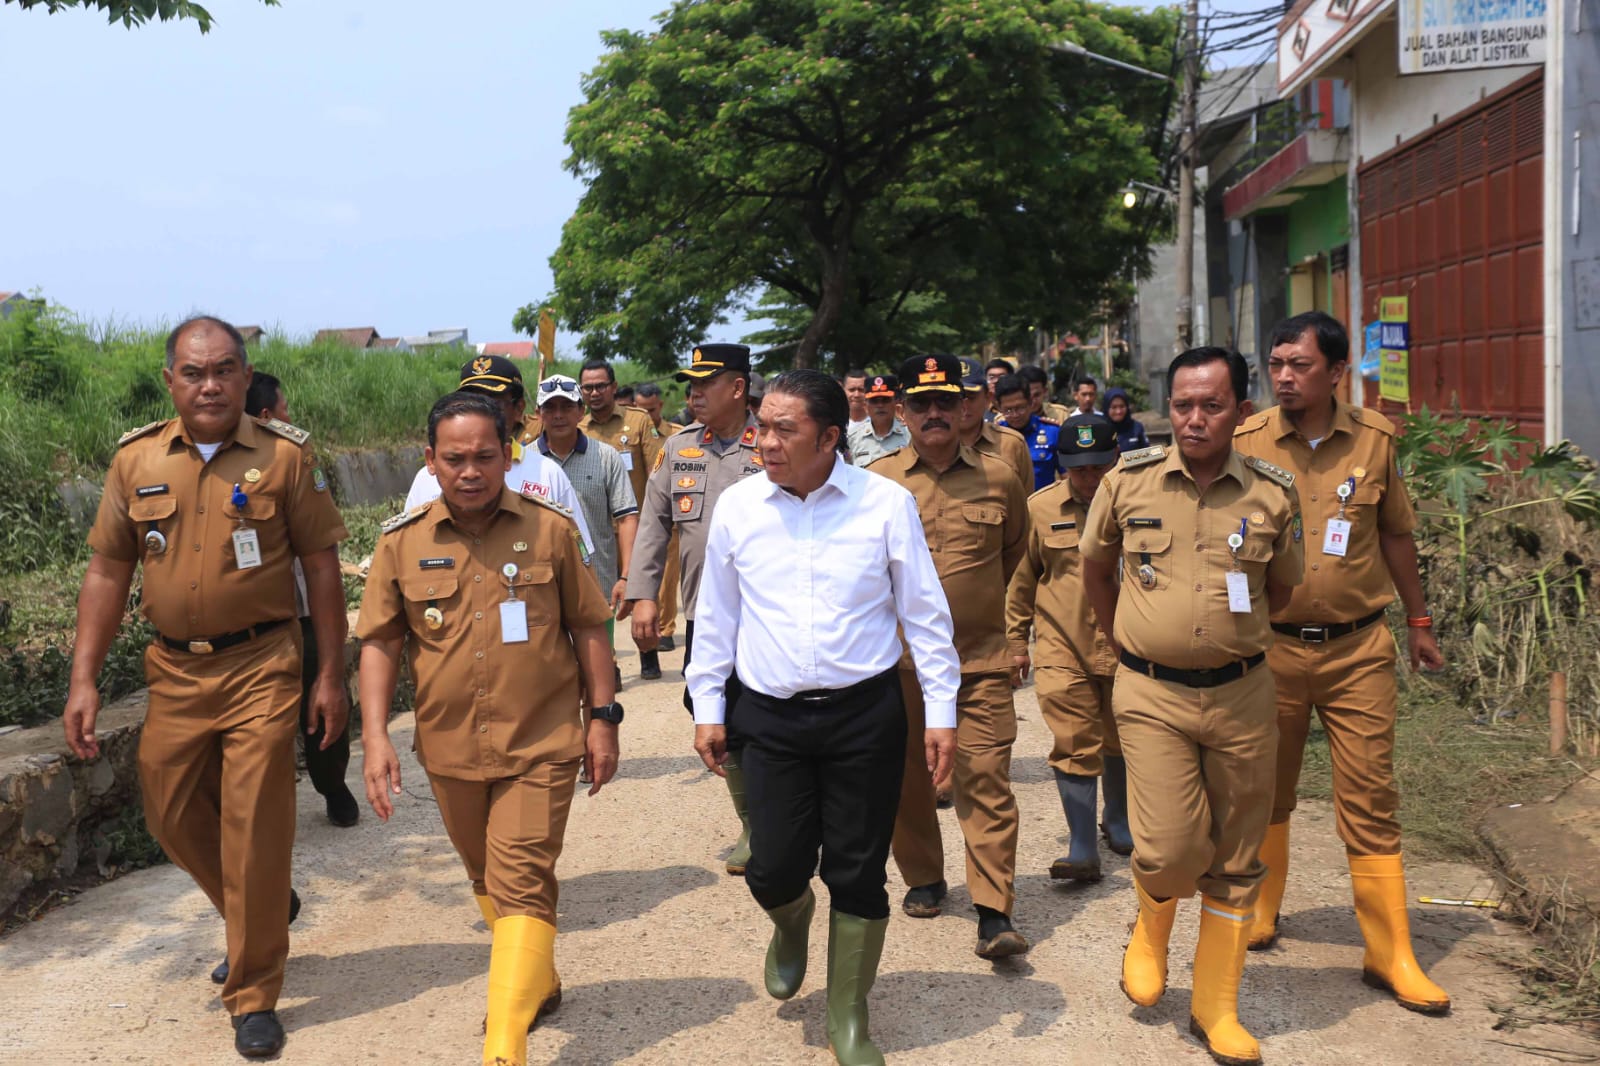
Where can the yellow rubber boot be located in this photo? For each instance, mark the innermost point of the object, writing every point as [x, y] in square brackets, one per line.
[1275, 856]
[486, 908]
[1144, 964]
[1379, 882]
[522, 976]
[1218, 964]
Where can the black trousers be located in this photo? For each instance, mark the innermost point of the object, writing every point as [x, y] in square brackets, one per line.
[822, 778]
[325, 768]
[730, 692]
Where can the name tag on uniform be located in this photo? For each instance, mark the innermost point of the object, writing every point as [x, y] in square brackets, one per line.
[1238, 592]
[1056, 527]
[1337, 539]
[513, 622]
[247, 548]
[627, 461]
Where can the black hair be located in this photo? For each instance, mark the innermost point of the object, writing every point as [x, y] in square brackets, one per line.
[999, 364]
[1086, 380]
[855, 372]
[212, 322]
[598, 364]
[1007, 385]
[1033, 375]
[262, 395]
[826, 403]
[462, 405]
[1332, 341]
[646, 389]
[625, 392]
[1238, 369]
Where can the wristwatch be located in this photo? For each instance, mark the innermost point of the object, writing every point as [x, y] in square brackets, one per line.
[607, 712]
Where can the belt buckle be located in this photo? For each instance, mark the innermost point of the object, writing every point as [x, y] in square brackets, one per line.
[1321, 636]
[200, 647]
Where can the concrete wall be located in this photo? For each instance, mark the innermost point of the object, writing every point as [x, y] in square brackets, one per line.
[1577, 191]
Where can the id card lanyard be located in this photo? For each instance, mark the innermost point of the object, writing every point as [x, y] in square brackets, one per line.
[513, 615]
[1238, 580]
[246, 543]
[1337, 539]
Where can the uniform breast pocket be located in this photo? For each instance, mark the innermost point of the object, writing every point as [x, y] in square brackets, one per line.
[433, 606]
[1147, 557]
[1061, 547]
[687, 506]
[978, 529]
[1363, 501]
[256, 509]
[153, 523]
[1255, 553]
[536, 586]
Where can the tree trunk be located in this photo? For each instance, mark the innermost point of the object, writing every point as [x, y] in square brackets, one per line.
[826, 316]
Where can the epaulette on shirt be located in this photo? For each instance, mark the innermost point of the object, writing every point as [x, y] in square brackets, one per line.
[404, 518]
[1270, 470]
[1373, 420]
[286, 431]
[1143, 456]
[534, 497]
[142, 431]
[1251, 424]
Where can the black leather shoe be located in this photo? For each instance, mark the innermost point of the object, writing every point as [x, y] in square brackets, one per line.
[925, 901]
[997, 937]
[649, 666]
[667, 644]
[219, 976]
[343, 810]
[258, 1035]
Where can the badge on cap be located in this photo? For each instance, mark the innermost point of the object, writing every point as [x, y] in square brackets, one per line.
[1086, 436]
[252, 475]
[482, 365]
[154, 542]
[433, 617]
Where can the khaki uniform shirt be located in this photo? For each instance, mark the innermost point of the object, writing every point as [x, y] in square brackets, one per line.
[1057, 413]
[1046, 593]
[630, 431]
[1360, 445]
[193, 586]
[975, 516]
[1007, 445]
[691, 470]
[1173, 542]
[486, 709]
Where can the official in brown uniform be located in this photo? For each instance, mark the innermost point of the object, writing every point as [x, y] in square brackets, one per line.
[1208, 539]
[650, 402]
[990, 438]
[488, 592]
[693, 468]
[216, 507]
[1074, 664]
[975, 516]
[1334, 653]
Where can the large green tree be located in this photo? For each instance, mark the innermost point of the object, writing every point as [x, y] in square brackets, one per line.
[133, 13]
[852, 162]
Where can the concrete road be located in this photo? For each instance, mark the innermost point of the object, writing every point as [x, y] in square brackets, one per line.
[660, 951]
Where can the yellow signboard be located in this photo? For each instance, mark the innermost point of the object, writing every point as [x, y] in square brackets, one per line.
[1394, 366]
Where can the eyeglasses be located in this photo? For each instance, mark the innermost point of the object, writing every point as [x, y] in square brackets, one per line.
[601, 387]
[548, 387]
[944, 401]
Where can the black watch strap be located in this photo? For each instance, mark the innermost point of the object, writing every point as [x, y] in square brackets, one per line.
[607, 712]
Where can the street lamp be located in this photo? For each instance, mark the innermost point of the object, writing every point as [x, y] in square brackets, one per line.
[1131, 197]
[1072, 49]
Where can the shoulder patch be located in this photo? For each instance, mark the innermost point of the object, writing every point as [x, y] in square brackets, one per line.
[1143, 456]
[1377, 420]
[534, 497]
[404, 518]
[1251, 424]
[1270, 470]
[142, 431]
[286, 431]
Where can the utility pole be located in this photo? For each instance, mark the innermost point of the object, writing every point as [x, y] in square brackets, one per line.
[1186, 138]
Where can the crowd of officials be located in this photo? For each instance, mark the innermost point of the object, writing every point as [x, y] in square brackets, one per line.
[866, 570]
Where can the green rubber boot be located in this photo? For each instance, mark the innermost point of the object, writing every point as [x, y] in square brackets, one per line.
[854, 948]
[791, 939]
[739, 858]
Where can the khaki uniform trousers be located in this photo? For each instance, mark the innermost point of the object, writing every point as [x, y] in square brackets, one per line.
[986, 727]
[216, 766]
[1351, 683]
[1200, 776]
[1077, 708]
[667, 606]
[509, 834]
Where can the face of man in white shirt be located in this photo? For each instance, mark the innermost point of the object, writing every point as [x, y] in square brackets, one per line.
[797, 453]
[469, 463]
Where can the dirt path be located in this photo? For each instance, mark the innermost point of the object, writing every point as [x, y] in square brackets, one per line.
[661, 952]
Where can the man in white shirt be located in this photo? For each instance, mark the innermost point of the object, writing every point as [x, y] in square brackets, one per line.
[807, 574]
[498, 378]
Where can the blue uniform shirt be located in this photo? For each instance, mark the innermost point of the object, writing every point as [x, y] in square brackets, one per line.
[1041, 437]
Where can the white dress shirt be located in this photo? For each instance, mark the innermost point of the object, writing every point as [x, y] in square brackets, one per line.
[801, 595]
[530, 472]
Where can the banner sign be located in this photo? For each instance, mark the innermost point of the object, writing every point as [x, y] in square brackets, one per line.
[1370, 359]
[1441, 35]
[1394, 352]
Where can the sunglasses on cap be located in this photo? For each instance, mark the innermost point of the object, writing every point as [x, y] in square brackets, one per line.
[548, 387]
[944, 401]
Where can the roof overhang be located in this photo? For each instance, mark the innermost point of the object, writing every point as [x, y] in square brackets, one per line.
[1314, 158]
[1317, 33]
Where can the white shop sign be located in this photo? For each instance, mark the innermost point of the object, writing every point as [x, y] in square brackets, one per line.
[1441, 35]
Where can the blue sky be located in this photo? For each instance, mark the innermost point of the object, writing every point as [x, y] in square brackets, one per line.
[388, 163]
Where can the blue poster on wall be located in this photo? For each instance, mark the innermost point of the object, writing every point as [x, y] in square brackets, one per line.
[1369, 353]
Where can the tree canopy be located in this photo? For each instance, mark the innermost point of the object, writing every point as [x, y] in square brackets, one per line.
[872, 173]
[133, 13]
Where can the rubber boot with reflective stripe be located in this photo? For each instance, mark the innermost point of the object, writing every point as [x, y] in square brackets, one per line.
[1144, 964]
[1379, 882]
[1275, 855]
[1218, 965]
